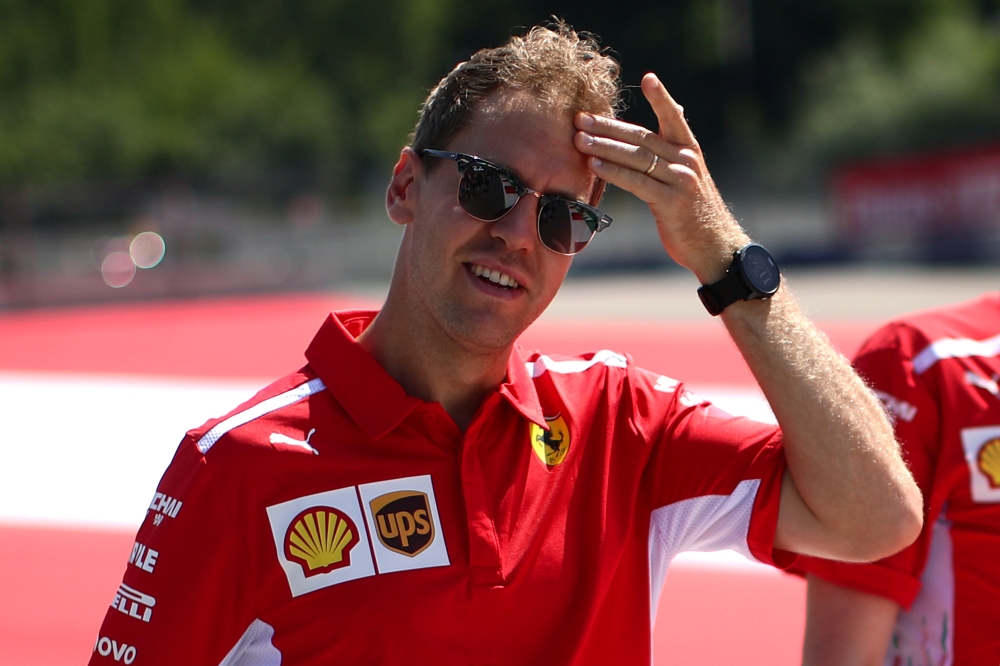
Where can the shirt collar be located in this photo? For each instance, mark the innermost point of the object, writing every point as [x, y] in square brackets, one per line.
[519, 389]
[371, 397]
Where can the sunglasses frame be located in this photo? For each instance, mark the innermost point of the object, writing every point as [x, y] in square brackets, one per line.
[464, 161]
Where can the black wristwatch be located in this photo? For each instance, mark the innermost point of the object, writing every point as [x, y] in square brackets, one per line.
[753, 274]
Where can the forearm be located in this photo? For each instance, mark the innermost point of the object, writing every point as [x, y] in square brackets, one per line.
[846, 627]
[849, 495]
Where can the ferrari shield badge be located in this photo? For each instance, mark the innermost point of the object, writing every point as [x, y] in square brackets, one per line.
[551, 445]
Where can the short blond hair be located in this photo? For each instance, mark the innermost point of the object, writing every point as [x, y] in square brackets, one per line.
[553, 62]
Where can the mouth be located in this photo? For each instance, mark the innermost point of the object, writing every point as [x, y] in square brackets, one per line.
[494, 276]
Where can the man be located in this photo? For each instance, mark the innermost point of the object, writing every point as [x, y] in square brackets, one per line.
[424, 490]
[937, 372]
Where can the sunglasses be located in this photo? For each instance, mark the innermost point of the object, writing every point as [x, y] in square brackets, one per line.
[487, 192]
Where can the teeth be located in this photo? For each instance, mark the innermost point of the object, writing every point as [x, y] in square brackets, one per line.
[496, 277]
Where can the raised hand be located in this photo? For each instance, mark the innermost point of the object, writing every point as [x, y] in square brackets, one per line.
[666, 170]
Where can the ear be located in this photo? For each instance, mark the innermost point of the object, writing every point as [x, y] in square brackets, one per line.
[402, 194]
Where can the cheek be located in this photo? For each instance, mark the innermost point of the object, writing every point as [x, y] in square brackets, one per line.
[554, 272]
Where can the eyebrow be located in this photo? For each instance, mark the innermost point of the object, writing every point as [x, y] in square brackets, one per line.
[565, 195]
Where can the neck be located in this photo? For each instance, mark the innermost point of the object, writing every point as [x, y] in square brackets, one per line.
[429, 365]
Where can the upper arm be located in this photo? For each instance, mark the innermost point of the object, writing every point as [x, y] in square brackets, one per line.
[846, 627]
[187, 577]
[722, 473]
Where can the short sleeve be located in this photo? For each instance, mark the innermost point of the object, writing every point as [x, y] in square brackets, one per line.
[714, 479]
[885, 361]
[184, 596]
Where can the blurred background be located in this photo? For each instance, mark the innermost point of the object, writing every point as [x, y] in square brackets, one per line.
[220, 166]
[184, 147]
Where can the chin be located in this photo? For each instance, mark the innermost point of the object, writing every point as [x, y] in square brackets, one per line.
[489, 333]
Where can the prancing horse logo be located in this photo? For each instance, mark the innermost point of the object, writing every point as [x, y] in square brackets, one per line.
[552, 445]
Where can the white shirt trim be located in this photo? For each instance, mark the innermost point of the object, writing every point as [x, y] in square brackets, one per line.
[707, 523]
[545, 363]
[260, 409]
[955, 348]
[254, 648]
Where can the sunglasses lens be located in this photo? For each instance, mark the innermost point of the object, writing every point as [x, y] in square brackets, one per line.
[485, 192]
[566, 226]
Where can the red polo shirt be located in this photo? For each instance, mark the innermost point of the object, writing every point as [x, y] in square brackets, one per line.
[937, 373]
[334, 519]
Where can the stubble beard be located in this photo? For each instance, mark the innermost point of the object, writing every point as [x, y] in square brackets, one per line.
[479, 331]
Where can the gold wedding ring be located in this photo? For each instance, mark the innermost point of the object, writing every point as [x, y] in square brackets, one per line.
[652, 165]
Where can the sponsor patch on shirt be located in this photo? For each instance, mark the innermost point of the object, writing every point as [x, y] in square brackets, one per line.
[321, 540]
[552, 445]
[403, 516]
[329, 538]
[982, 454]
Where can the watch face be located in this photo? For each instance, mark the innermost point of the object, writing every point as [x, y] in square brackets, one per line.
[760, 270]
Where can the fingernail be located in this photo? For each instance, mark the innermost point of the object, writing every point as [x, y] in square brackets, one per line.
[586, 119]
[596, 161]
[587, 139]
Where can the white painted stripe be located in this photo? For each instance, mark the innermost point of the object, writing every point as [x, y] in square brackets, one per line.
[98, 463]
[260, 409]
[604, 356]
[87, 450]
[955, 348]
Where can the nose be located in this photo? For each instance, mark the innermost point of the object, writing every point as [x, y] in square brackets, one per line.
[517, 228]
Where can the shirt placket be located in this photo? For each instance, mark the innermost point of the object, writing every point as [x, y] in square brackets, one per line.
[485, 558]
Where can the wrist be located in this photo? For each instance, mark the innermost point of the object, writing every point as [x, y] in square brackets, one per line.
[752, 274]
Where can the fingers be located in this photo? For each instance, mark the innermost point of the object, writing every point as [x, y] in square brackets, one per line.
[675, 176]
[636, 156]
[673, 127]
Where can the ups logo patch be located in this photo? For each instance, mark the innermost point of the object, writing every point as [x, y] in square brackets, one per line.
[552, 445]
[403, 522]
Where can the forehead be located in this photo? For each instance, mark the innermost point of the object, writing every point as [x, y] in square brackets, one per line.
[532, 138]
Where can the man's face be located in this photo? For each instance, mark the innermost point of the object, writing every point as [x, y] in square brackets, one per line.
[446, 250]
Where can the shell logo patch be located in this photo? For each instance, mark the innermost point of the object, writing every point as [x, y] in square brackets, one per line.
[317, 537]
[320, 539]
[989, 461]
[982, 455]
[402, 521]
[552, 445]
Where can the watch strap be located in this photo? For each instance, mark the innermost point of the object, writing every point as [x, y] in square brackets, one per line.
[719, 295]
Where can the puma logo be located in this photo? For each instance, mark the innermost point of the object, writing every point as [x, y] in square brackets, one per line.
[278, 438]
[983, 383]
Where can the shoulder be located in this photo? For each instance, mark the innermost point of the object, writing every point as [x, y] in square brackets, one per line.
[928, 336]
[253, 423]
[603, 369]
